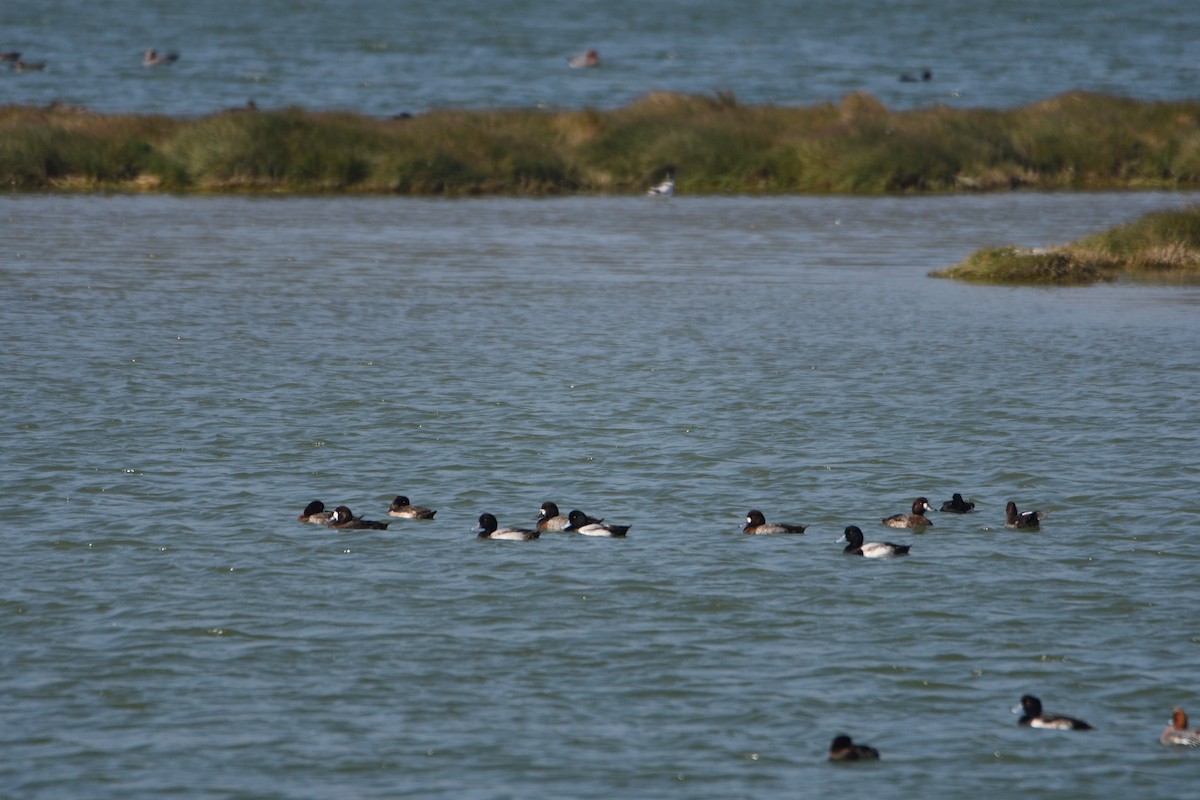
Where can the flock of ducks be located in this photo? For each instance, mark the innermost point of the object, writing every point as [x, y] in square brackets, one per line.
[1176, 734]
[549, 518]
[150, 58]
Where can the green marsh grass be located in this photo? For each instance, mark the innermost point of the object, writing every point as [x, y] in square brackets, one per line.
[712, 144]
[1162, 245]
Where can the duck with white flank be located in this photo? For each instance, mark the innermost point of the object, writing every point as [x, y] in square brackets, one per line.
[857, 547]
[1033, 717]
[489, 528]
[1177, 733]
[579, 522]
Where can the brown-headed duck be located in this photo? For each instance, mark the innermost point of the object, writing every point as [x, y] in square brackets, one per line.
[402, 508]
[844, 749]
[1030, 710]
[1022, 519]
[344, 520]
[153, 58]
[579, 522]
[1178, 733]
[956, 505]
[916, 519]
[756, 523]
[585, 60]
[856, 547]
[490, 529]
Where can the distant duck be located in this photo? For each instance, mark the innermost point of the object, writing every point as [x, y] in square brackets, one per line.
[844, 749]
[756, 523]
[28, 66]
[153, 58]
[489, 529]
[916, 519]
[664, 189]
[1177, 732]
[315, 513]
[956, 505]
[548, 518]
[579, 522]
[588, 58]
[856, 547]
[1022, 519]
[907, 77]
[10, 55]
[402, 508]
[1032, 717]
[343, 519]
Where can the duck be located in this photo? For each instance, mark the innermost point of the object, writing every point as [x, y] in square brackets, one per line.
[844, 749]
[28, 66]
[315, 513]
[908, 77]
[10, 55]
[916, 519]
[1022, 519]
[345, 520]
[756, 523]
[402, 508]
[664, 189]
[956, 505]
[579, 522]
[153, 58]
[586, 59]
[548, 518]
[489, 529]
[1030, 709]
[856, 546]
[1178, 733]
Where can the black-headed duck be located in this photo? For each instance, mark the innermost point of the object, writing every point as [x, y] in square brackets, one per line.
[1030, 710]
[916, 519]
[844, 749]
[1022, 519]
[1177, 733]
[490, 529]
[956, 505]
[756, 523]
[315, 513]
[402, 508]
[579, 522]
[344, 520]
[856, 547]
[548, 518]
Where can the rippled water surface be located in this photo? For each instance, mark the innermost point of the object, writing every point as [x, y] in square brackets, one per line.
[382, 57]
[182, 375]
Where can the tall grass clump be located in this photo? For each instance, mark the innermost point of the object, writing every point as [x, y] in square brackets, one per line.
[1159, 244]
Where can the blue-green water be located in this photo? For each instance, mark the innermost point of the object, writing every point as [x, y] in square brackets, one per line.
[382, 57]
[182, 375]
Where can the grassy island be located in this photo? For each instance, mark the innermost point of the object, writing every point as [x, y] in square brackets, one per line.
[1162, 245]
[714, 144]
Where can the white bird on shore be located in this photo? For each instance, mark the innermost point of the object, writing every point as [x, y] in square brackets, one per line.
[664, 189]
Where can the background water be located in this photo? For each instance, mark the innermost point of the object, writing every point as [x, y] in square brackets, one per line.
[382, 57]
[182, 375]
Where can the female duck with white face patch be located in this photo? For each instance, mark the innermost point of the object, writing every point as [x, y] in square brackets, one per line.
[756, 524]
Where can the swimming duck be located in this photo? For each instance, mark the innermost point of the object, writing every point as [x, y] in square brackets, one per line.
[315, 513]
[588, 58]
[664, 189]
[956, 505]
[28, 66]
[907, 77]
[402, 508]
[549, 519]
[843, 749]
[153, 58]
[1032, 717]
[1178, 733]
[579, 522]
[856, 546]
[914, 520]
[489, 529]
[10, 55]
[344, 520]
[756, 523]
[1022, 519]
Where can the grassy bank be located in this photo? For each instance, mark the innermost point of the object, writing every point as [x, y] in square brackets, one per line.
[714, 144]
[1162, 245]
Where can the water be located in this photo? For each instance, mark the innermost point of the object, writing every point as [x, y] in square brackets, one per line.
[184, 374]
[383, 58]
